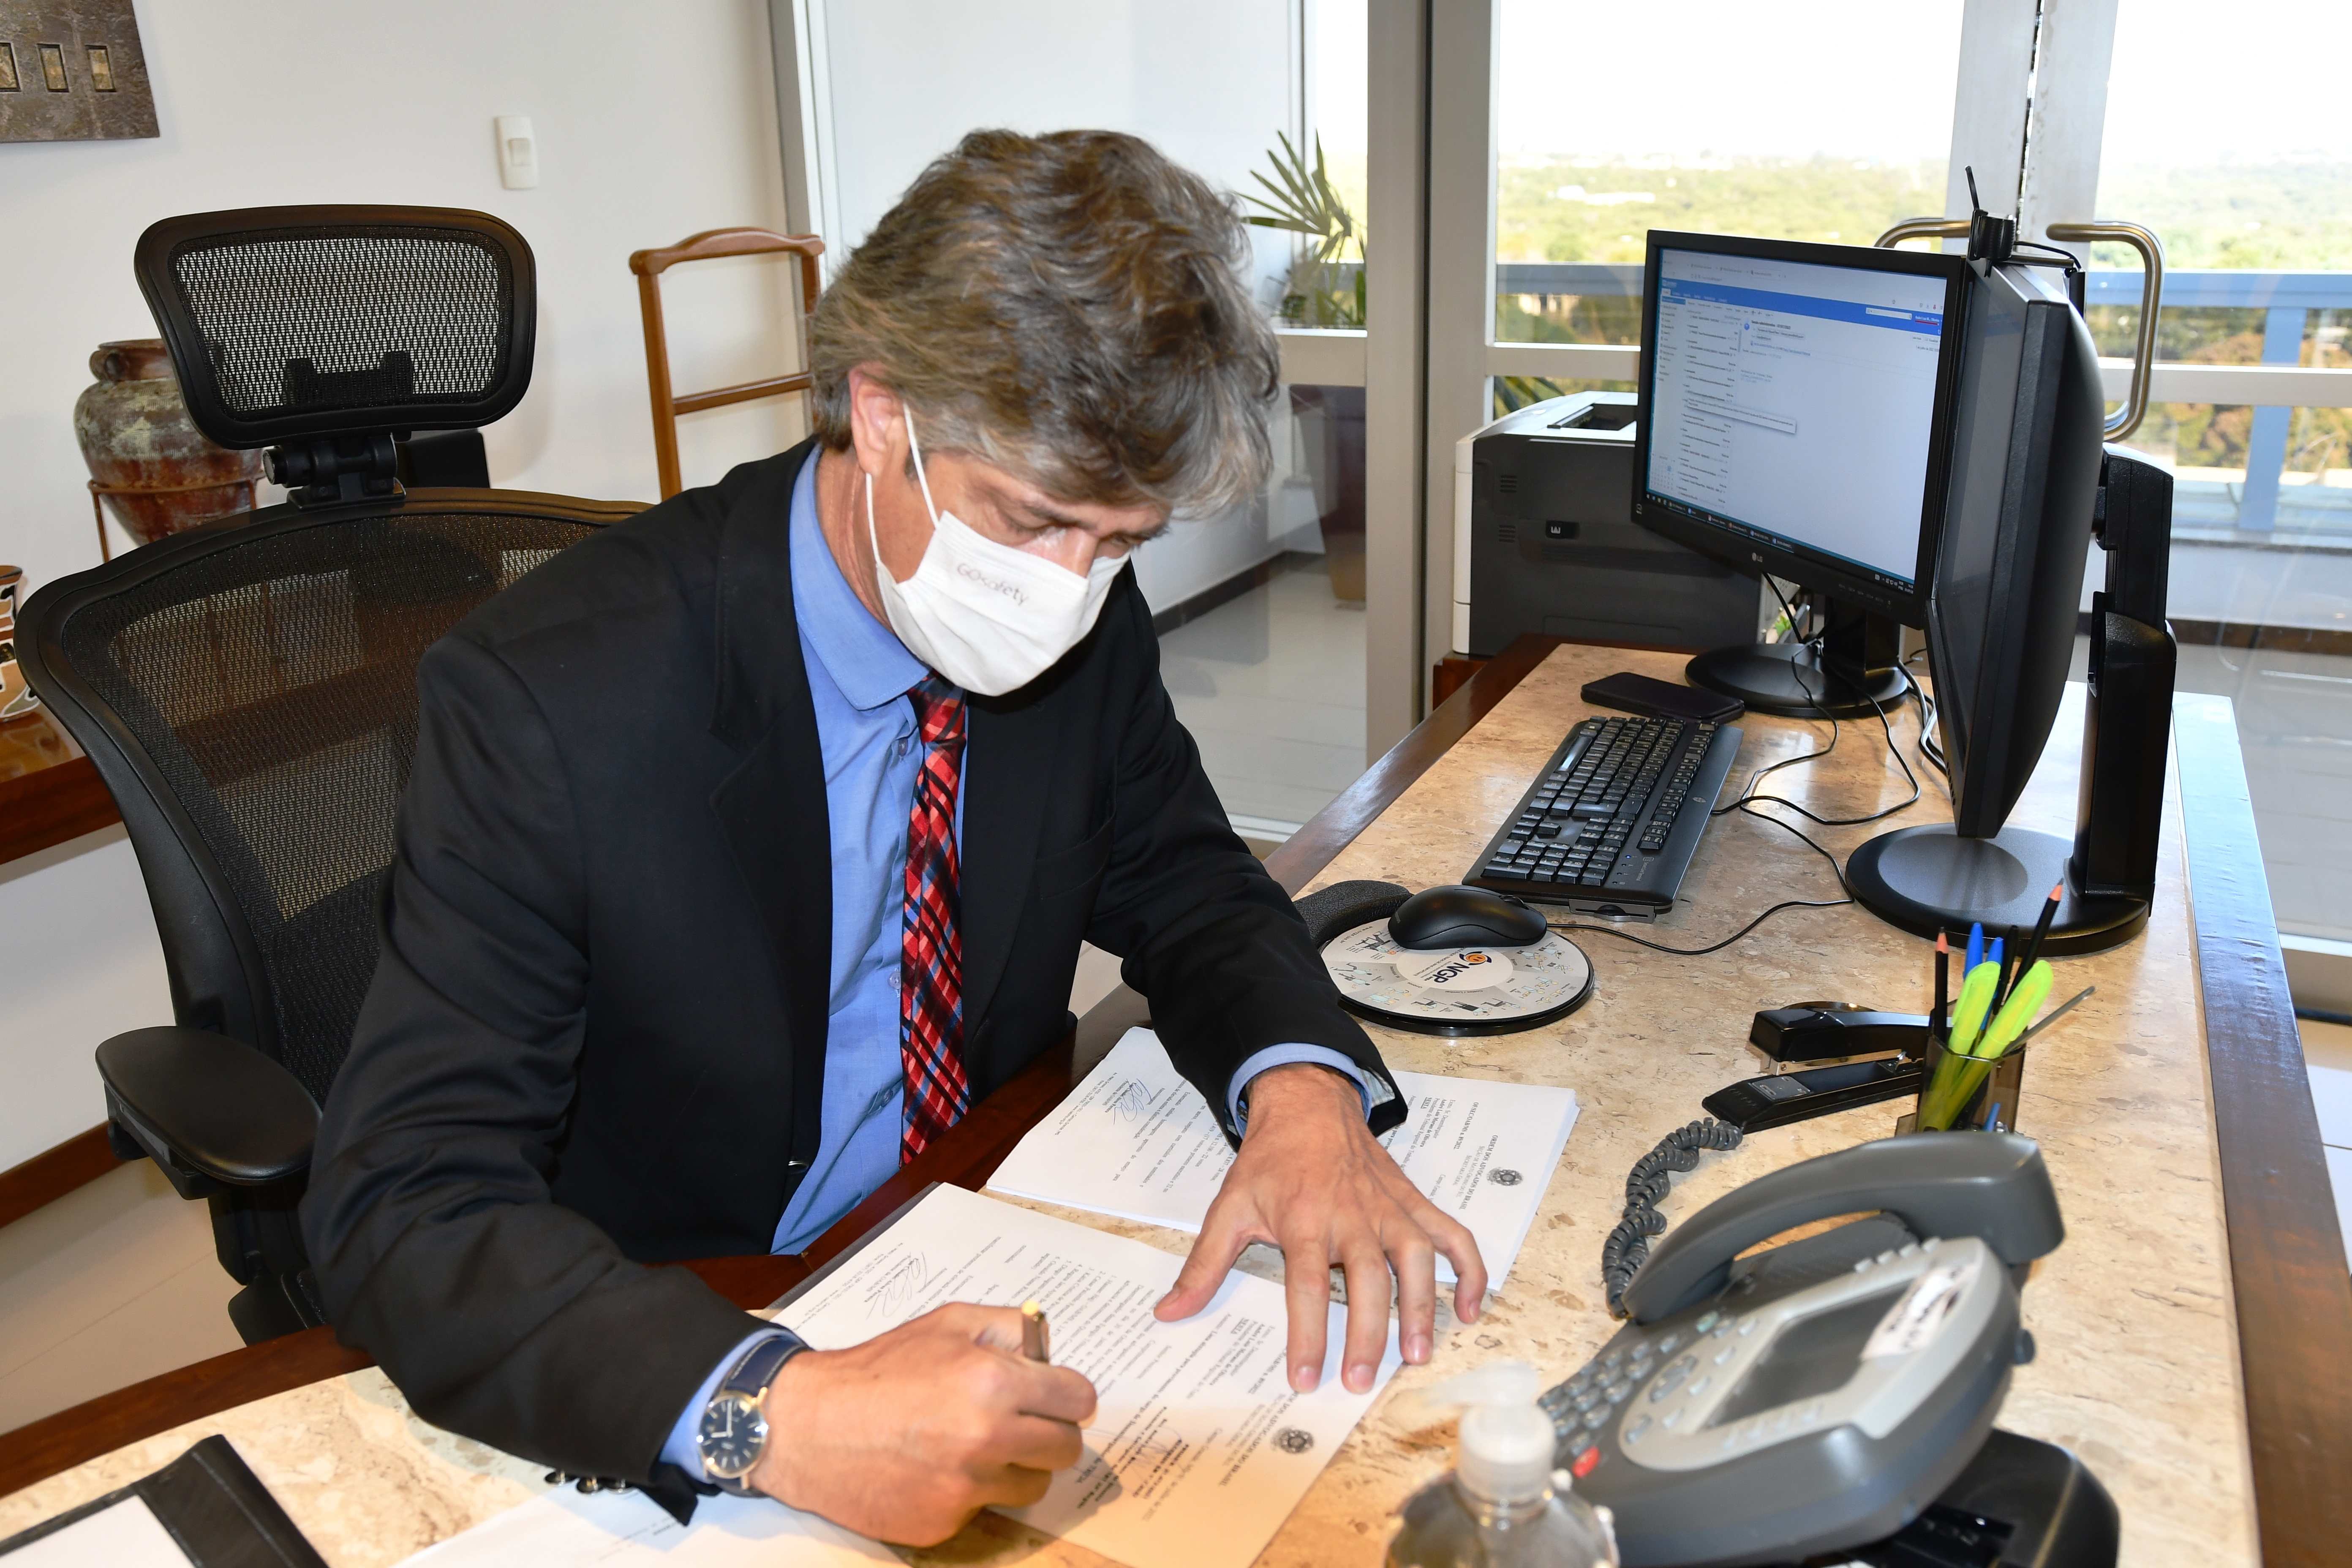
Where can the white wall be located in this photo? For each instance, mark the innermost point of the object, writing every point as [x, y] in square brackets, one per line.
[653, 123]
[1209, 82]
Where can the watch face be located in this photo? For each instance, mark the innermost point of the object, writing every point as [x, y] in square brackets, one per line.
[731, 1435]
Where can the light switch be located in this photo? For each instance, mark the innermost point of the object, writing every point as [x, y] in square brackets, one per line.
[518, 153]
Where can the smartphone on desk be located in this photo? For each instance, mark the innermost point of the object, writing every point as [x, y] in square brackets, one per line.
[1662, 698]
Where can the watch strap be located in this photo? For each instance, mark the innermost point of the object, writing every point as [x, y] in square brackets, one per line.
[754, 1372]
[756, 1368]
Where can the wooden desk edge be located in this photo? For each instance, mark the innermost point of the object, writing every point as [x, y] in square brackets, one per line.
[2293, 1295]
[2293, 1298]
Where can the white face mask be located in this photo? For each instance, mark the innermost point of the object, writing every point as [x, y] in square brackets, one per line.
[989, 617]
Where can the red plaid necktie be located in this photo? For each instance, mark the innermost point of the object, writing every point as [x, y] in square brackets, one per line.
[930, 964]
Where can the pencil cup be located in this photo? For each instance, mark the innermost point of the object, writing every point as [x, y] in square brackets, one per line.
[1955, 1083]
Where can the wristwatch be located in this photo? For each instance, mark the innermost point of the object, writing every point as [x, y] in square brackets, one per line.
[733, 1431]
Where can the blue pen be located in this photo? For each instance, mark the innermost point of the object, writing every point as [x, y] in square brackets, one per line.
[1976, 946]
[1992, 955]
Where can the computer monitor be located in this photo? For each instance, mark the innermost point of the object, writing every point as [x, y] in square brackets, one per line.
[1916, 438]
[2002, 608]
[1797, 411]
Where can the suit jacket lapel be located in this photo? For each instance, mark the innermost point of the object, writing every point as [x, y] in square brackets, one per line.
[772, 807]
[1004, 809]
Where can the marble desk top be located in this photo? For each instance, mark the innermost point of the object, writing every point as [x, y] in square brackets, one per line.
[2137, 1371]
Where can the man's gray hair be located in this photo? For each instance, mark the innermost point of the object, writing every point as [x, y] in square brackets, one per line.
[1070, 307]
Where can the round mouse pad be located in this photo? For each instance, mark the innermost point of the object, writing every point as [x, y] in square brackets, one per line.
[1456, 990]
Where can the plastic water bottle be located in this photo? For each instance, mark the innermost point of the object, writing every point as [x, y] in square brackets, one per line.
[1504, 1505]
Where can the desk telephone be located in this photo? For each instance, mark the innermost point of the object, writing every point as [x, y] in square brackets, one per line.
[1819, 1396]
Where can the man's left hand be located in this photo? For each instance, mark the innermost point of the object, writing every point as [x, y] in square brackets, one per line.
[1312, 1180]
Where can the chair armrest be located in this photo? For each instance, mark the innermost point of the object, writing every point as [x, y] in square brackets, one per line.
[207, 1105]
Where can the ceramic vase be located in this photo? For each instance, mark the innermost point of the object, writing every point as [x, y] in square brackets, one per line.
[157, 472]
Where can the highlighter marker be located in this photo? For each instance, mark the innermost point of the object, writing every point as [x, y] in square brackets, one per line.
[2025, 997]
[1976, 1001]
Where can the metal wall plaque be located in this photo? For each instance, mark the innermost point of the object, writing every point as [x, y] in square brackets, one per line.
[71, 70]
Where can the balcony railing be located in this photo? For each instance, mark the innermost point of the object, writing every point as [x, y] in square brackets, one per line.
[2244, 509]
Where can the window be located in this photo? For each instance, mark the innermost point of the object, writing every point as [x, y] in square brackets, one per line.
[2246, 175]
[1787, 122]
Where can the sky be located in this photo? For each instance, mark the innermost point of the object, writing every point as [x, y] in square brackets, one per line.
[2258, 78]
[1727, 77]
[2190, 82]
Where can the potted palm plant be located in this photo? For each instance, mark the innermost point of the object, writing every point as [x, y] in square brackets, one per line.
[1323, 290]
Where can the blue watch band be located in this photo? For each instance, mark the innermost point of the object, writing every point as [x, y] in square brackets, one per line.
[752, 1375]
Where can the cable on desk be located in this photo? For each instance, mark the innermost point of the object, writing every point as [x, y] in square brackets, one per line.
[1931, 749]
[1718, 947]
[1893, 750]
[1628, 1246]
[1713, 947]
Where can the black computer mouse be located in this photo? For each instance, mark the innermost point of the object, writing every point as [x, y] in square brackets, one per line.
[1464, 917]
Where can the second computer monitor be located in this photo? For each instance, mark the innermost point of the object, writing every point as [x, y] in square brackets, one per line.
[1798, 406]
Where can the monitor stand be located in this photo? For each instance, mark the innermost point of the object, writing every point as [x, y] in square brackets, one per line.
[1930, 880]
[1854, 666]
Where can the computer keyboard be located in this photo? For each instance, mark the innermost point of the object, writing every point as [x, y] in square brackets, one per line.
[1614, 817]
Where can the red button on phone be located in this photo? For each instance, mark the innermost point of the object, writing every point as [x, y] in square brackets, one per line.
[1584, 1463]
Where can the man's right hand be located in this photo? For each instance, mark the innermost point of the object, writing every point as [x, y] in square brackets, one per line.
[910, 1434]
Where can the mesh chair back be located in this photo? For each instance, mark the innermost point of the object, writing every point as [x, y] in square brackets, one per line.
[248, 693]
[286, 322]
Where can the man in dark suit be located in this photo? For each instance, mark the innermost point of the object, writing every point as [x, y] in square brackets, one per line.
[751, 842]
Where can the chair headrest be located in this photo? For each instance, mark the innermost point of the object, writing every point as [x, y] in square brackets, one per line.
[287, 323]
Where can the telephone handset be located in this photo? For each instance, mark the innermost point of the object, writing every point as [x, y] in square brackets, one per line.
[1966, 1184]
[1817, 1396]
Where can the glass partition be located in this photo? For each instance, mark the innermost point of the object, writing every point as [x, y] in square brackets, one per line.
[2244, 167]
[1790, 122]
[1264, 655]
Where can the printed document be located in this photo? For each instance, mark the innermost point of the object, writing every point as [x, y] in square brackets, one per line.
[1139, 1142]
[1199, 1449]
[629, 1529]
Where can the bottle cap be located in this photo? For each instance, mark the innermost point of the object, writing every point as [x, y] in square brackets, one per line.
[1506, 1456]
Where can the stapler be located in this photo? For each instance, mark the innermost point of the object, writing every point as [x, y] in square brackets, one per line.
[1836, 1031]
[1875, 1057]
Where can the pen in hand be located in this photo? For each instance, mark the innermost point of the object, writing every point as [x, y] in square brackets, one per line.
[1037, 1338]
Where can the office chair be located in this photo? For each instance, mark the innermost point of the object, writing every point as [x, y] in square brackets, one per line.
[247, 689]
[649, 264]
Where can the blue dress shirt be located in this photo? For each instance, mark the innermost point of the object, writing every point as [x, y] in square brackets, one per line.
[858, 675]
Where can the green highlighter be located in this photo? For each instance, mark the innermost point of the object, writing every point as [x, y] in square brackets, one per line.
[2026, 994]
[1969, 1011]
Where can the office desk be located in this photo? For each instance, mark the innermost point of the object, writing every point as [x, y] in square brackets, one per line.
[2197, 1244]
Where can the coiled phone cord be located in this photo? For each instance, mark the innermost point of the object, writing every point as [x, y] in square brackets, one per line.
[1646, 1184]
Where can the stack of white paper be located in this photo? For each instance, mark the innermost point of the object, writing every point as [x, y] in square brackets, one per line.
[1198, 1449]
[1139, 1142]
[628, 1530]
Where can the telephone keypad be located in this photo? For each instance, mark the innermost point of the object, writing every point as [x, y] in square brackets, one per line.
[1672, 1378]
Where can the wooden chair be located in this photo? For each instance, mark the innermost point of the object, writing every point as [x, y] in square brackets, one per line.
[649, 264]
